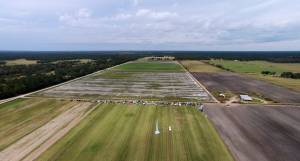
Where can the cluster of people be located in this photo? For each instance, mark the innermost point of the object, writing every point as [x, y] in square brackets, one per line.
[144, 102]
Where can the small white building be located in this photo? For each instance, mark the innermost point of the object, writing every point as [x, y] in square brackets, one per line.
[245, 98]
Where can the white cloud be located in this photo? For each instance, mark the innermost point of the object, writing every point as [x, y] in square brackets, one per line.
[147, 13]
[136, 2]
[212, 23]
[84, 13]
[77, 18]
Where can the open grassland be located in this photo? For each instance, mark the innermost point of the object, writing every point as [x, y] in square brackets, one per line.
[199, 66]
[118, 132]
[22, 116]
[257, 67]
[293, 84]
[146, 66]
[20, 62]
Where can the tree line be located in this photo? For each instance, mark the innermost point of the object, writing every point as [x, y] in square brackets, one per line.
[20, 79]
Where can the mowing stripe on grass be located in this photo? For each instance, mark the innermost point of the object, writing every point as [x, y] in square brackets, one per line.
[126, 133]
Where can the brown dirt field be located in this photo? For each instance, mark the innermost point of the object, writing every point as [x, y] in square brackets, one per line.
[240, 84]
[257, 132]
[31, 146]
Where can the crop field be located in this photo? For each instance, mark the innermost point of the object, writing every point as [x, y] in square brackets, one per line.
[267, 88]
[20, 117]
[199, 66]
[126, 132]
[259, 132]
[240, 84]
[150, 66]
[257, 67]
[254, 69]
[135, 80]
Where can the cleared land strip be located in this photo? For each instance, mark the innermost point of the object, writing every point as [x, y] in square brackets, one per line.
[33, 144]
[258, 132]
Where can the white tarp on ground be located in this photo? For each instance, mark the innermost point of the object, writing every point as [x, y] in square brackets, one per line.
[245, 98]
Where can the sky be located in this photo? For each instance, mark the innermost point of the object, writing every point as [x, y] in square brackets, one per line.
[150, 25]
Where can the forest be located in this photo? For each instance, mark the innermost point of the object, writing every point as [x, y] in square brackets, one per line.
[51, 70]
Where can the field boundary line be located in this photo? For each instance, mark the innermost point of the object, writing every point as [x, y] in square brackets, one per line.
[60, 84]
[33, 155]
[35, 143]
[198, 83]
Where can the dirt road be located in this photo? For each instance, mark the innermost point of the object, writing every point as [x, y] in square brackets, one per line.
[31, 146]
[257, 132]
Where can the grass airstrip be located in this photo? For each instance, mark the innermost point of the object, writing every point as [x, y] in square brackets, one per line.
[116, 132]
[126, 132]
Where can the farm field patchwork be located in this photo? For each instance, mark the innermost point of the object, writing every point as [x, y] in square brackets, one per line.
[199, 66]
[126, 132]
[258, 132]
[135, 80]
[254, 69]
[257, 66]
[240, 84]
[22, 116]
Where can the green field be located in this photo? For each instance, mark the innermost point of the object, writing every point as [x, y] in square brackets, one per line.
[199, 66]
[22, 116]
[254, 69]
[150, 66]
[119, 132]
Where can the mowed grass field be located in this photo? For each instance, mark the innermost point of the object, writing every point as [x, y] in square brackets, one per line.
[22, 116]
[199, 66]
[150, 66]
[254, 69]
[126, 132]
